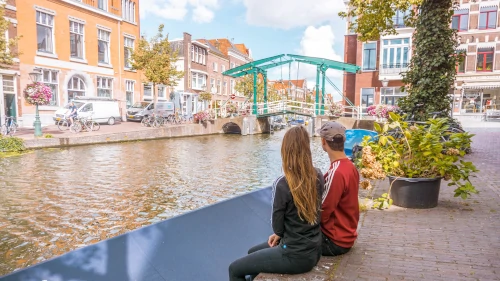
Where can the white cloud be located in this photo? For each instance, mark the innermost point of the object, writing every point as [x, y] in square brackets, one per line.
[291, 13]
[202, 10]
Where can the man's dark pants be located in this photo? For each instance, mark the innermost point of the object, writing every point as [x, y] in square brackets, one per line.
[328, 248]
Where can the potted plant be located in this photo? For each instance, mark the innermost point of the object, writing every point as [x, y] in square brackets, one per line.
[231, 108]
[201, 117]
[381, 111]
[416, 162]
[336, 110]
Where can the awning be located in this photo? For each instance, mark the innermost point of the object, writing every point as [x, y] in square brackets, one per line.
[484, 85]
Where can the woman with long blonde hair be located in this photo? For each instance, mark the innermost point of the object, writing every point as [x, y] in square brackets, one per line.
[295, 245]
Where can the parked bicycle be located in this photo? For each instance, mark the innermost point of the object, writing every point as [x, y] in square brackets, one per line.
[84, 123]
[9, 127]
[153, 121]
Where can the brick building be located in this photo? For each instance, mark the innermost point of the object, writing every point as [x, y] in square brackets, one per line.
[10, 93]
[477, 86]
[193, 60]
[295, 90]
[81, 48]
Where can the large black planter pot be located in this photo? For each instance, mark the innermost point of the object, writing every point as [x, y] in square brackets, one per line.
[418, 193]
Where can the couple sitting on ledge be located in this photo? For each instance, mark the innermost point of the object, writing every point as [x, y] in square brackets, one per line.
[313, 214]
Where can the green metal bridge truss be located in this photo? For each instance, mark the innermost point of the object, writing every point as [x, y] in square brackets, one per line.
[261, 66]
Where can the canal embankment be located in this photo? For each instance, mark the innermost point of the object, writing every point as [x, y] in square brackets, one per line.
[133, 131]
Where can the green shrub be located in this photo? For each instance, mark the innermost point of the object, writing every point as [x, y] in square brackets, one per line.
[11, 144]
[48, 136]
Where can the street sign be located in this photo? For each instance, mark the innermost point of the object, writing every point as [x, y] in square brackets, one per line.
[233, 96]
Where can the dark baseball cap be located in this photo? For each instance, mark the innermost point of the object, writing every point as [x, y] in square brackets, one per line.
[331, 129]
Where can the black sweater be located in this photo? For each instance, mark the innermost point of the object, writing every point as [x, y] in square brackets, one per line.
[298, 237]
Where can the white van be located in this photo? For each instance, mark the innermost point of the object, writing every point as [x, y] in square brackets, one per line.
[101, 110]
[143, 109]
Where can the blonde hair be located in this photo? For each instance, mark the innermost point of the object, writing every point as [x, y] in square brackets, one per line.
[300, 173]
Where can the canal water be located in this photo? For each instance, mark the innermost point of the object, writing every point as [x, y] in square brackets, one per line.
[54, 201]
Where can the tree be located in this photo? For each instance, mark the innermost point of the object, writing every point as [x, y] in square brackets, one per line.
[432, 68]
[156, 59]
[8, 47]
[245, 86]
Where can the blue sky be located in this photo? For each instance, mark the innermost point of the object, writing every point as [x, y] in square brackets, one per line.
[267, 27]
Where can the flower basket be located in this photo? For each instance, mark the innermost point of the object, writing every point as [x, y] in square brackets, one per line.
[336, 110]
[201, 117]
[37, 94]
[231, 108]
[381, 111]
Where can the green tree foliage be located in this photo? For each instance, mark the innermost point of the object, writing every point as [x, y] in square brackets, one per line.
[8, 47]
[432, 68]
[156, 59]
[245, 86]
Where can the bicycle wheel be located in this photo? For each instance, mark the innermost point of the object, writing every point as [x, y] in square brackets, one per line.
[63, 125]
[95, 126]
[144, 121]
[76, 127]
[3, 130]
[12, 129]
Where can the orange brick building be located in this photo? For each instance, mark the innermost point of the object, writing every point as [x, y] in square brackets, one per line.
[9, 77]
[81, 48]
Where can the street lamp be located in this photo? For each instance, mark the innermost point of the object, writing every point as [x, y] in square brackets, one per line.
[35, 77]
[385, 82]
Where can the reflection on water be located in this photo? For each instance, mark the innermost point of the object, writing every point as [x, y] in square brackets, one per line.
[53, 201]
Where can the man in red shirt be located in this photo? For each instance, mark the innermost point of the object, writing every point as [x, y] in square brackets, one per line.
[340, 208]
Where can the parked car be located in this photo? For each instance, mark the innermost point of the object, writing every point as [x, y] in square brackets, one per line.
[143, 109]
[102, 110]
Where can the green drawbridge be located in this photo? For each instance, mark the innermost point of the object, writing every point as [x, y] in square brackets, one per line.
[261, 66]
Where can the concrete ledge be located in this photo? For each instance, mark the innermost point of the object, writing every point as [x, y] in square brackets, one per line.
[186, 130]
[324, 270]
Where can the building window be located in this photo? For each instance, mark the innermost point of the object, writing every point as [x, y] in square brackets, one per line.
[233, 65]
[128, 10]
[49, 78]
[198, 80]
[128, 47]
[104, 87]
[232, 86]
[161, 91]
[76, 39]
[369, 56]
[215, 66]
[462, 57]
[222, 68]
[488, 18]
[148, 91]
[460, 20]
[395, 53]
[196, 55]
[192, 53]
[484, 59]
[102, 4]
[224, 90]
[103, 46]
[212, 85]
[390, 96]
[129, 92]
[76, 88]
[218, 86]
[399, 18]
[44, 25]
[367, 96]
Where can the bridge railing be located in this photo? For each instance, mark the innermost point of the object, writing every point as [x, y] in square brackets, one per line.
[282, 106]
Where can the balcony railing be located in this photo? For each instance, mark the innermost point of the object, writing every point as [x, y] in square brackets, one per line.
[394, 69]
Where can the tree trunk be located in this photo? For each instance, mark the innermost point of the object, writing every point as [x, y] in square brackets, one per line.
[432, 69]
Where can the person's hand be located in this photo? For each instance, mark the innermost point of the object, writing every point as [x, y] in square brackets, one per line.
[273, 240]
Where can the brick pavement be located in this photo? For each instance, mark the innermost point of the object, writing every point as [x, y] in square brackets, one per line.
[458, 240]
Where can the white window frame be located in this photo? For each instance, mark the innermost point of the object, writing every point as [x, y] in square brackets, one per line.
[48, 14]
[195, 76]
[130, 44]
[361, 97]
[70, 82]
[222, 68]
[231, 90]
[150, 96]
[130, 87]
[128, 11]
[214, 66]
[212, 85]
[101, 38]
[82, 34]
[55, 94]
[108, 85]
[400, 95]
[163, 89]
[196, 49]
[192, 53]
[233, 65]
[104, 3]
[384, 59]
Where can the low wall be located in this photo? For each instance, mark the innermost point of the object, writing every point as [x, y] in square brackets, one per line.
[349, 123]
[208, 128]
